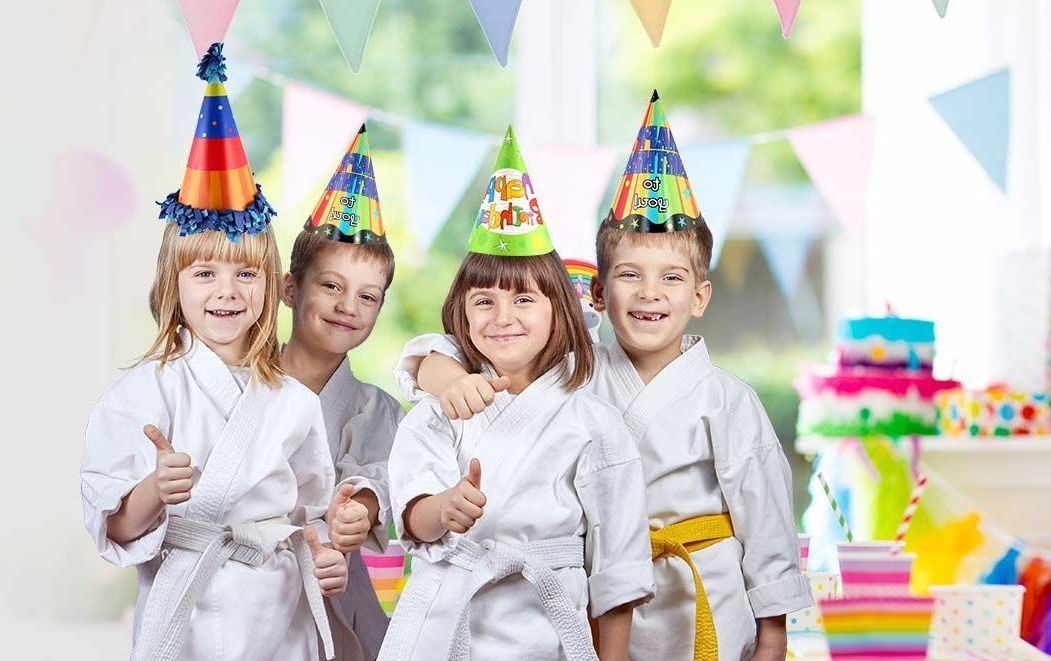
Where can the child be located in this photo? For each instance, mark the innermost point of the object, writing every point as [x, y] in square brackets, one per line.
[505, 565]
[718, 487]
[339, 274]
[210, 504]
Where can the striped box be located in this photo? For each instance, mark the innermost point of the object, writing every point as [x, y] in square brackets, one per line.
[388, 572]
[877, 628]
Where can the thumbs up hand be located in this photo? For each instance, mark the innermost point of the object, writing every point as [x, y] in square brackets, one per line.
[348, 521]
[330, 566]
[462, 505]
[174, 476]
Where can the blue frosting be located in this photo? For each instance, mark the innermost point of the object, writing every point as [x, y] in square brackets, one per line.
[893, 329]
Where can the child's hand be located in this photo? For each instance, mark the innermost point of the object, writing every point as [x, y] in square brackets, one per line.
[470, 394]
[348, 521]
[462, 505]
[330, 566]
[771, 639]
[174, 476]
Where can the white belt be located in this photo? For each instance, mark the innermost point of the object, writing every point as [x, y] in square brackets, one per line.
[249, 543]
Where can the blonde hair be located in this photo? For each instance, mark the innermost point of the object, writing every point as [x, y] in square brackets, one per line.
[548, 274]
[178, 252]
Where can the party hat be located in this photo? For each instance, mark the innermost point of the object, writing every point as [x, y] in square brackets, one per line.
[349, 209]
[654, 194]
[509, 222]
[218, 191]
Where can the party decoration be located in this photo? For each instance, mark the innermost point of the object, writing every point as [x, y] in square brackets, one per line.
[313, 123]
[840, 518]
[351, 23]
[787, 256]
[910, 509]
[941, 6]
[218, 191]
[878, 627]
[718, 168]
[349, 209]
[979, 113]
[654, 194]
[497, 18]
[436, 188]
[837, 156]
[509, 222]
[653, 14]
[786, 11]
[581, 274]
[101, 195]
[940, 553]
[208, 21]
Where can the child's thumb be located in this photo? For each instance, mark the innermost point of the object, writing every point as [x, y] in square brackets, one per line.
[157, 438]
[345, 494]
[312, 541]
[500, 383]
[474, 473]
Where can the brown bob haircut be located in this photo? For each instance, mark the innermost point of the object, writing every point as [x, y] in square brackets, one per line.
[520, 274]
[695, 244]
[309, 246]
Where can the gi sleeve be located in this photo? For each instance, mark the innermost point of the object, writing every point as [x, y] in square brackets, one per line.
[408, 366]
[311, 462]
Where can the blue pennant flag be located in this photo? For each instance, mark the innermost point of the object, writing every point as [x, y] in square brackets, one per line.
[979, 113]
[716, 171]
[498, 21]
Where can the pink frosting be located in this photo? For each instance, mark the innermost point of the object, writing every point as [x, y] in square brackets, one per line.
[853, 381]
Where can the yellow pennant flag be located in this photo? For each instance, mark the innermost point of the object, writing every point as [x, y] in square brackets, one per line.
[653, 14]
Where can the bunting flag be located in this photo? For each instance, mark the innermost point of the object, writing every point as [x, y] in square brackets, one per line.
[717, 171]
[351, 23]
[786, 11]
[573, 180]
[207, 21]
[941, 6]
[837, 156]
[979, 113]
[435, 188]
[100, 194]
[653, 14]
[733, 266]
[316, 126]
[786, 254]
[497, 18]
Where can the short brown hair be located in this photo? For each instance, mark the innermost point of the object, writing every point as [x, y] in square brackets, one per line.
[519, 274]
[309, 246]
[694, 243]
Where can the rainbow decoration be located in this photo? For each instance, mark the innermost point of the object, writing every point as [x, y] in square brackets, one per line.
[581, 274]
[218, 191]
[654, 194]
[349, 209]
[877, 628]
[388, 572]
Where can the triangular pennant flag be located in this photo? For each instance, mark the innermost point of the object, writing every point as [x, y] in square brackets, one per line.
[351, 23]
[653, 14]
[787, 10]
[208, 21]
[733, 266]
[941, 6]
[435, 188]
[837, 156]
[315, 128]
[717, 171]
[979, 113]
[497, 18]
[786, 255]
[573, 179]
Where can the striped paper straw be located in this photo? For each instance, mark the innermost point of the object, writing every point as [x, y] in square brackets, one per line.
[835, 508]
[910, 509]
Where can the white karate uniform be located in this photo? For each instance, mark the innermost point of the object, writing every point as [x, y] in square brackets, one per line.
[707, 447]
[563, 483]
[361, 421]
[263, 461]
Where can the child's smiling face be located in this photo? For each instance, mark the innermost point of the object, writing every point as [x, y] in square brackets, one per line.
[338, 300]
[650, 293]
[509, 328]
[220, 302]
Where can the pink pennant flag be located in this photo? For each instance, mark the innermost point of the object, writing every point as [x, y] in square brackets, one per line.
[208, 21]
[570, 182]
[837, 156]
[787, 10]
[316, 127]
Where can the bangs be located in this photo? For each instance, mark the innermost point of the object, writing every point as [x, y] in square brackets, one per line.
[254, 250]
[694, 244]
[515, 274]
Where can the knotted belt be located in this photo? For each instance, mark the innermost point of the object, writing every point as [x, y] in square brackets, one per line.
[679, 540]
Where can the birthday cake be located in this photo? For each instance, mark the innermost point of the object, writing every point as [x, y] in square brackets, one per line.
[997, 411]
[881, 383]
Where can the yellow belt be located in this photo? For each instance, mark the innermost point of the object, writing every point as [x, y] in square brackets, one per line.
[681, 539]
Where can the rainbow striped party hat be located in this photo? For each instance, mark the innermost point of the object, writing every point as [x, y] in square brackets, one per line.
[218, 191]
[654, 194]
[349, 209]
[509, 222]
